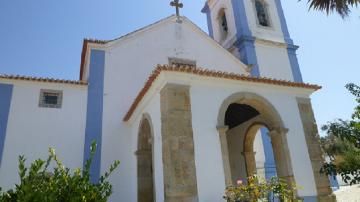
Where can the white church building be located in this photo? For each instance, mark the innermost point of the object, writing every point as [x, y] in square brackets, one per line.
[187, 113]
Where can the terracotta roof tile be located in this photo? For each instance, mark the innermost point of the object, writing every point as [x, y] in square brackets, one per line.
[212, 74]
[39, 79]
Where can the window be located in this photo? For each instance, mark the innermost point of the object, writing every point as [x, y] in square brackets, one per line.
[261, 13]
[182, 62]
[50, 98]
[223, 24]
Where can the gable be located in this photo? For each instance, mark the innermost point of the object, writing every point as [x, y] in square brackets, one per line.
[179, 40]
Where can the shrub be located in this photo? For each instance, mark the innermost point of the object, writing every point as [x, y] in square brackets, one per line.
[60, 185]
[255, 191]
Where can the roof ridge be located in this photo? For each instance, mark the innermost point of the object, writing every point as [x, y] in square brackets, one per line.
[86, 41]
[101, 41]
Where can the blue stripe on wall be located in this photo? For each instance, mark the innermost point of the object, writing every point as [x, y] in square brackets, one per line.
[283, 24]
[295, 68]
[5, 102]
[241, 22]
[270, 166]
[245, 41]
[94, 115]
[206, 10]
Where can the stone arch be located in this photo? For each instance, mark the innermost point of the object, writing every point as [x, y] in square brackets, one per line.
[239, 140]
[145, 159]
[265, 108]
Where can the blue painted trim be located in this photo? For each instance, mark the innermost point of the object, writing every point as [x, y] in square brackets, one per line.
[295, 68]
[206, 10]
[5, 103]
[270, 167]
[291, 47]
[94, 115]
[245, 40]
[283, 24]
[309, 198]
[241, 21]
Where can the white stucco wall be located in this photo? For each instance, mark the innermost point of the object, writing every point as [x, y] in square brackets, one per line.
[31, 130]
[273, 62]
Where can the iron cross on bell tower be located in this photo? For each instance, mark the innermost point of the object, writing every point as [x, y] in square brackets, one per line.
[177, 5]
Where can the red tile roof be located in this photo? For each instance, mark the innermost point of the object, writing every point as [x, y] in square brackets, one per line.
[39, 79]
[212, 74]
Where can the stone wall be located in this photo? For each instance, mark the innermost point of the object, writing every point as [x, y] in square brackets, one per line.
[178, 144]
[316, 155]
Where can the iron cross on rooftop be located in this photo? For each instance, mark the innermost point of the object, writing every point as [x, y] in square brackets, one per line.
[177, 5]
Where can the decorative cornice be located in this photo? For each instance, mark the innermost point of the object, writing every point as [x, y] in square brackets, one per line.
[212, 74]
[252, 39]
[271, 43]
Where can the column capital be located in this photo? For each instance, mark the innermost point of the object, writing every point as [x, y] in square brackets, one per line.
[278, 131]
[222, 129]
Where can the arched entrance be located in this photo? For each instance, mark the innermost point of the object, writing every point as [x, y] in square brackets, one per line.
[241, 117]
[145, 176]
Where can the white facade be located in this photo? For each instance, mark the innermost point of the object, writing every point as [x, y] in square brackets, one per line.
[128, 62]
[31, 130]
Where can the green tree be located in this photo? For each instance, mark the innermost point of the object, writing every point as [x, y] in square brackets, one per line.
[342, 7]
[60, 185]
[342, 144]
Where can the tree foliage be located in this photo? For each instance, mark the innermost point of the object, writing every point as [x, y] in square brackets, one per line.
[60, 185]
[342, 144]
[256, 190]
[342, 7]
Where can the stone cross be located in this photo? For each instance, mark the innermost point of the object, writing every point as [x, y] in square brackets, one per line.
[177, 5]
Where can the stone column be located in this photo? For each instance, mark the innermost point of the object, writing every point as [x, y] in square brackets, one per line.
[282, 155]
[250, 162]
[178, 144]
[225, 154]
[316, 154]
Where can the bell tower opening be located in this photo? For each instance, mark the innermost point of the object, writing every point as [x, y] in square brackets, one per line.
[223, 25]
[261, 12]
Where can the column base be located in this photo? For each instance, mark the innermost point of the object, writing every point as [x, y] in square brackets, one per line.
[327, 198]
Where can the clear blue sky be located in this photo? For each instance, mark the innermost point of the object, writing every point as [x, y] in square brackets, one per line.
[44, 38]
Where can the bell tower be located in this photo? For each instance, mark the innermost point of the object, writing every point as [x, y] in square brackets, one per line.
[255, 31]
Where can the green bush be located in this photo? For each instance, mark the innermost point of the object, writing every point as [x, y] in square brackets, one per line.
[37, 184]
[256, 190]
